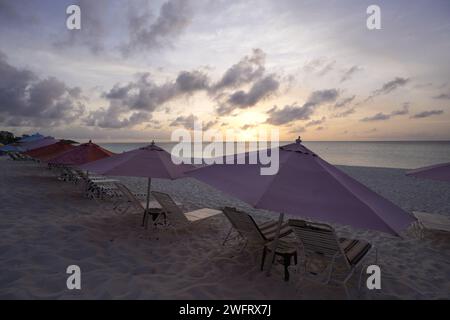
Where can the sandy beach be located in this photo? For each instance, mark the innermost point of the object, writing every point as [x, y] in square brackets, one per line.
[47, 225]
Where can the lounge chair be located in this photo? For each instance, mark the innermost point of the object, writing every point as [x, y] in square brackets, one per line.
[173, 215]
[254, 234]
[320, 244]
[131, 200]
[430, 222]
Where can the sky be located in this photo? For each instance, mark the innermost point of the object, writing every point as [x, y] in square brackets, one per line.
[137, 70]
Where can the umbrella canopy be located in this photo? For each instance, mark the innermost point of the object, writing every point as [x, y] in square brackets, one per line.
[148, 162]
[13, 147]
[307, 186]
[84, 153]
[48, 152]
[33, 137]
[436, 172]
[38, 143]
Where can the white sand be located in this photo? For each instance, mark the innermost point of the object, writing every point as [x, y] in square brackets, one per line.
[47, 225]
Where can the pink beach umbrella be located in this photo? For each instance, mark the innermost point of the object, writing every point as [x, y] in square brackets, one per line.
[435, 172]
[307, 186]
[148, 162]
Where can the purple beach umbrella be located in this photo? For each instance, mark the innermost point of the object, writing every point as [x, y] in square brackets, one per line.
[309, 187]
[439, 172]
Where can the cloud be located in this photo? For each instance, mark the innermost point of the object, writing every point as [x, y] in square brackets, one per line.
[245, 71]
[382, 116]
[184, 121]
[401, 112]
[344, 102]
[248, 126]
[315, 122]
[297, 130]
[144, 96]
[259, 91]
[294, 112]
[442, 96]
[174, 17]
[426, 114]
[320, 66]
[388, 87]
[208, 125]
[344, 114]
[378, 117]
[27, 100]
[348, 74]
[112, 117]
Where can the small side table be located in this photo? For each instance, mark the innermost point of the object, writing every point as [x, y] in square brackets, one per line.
[286, 250]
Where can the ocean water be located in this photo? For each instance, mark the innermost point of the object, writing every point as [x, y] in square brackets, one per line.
[387, 154]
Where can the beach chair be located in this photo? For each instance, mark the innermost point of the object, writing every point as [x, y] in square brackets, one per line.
[430, 222]
[250, 231]
[132, 200]
[320, 244]
[173, 215]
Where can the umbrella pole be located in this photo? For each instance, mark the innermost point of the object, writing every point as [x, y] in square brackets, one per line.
[275, 243]
[145, 220]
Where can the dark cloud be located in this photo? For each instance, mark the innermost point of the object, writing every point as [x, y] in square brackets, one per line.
[245, 71]
[345, 113]
[389, 86]
[345, 101]
[348, 74]
[382, 116]
[27, 100]
[259, 91]
[184, 121]
[426, 114]
[315, 122]
[378, 117]
[443, 96]
[144, 96]
[113, 117]
[208, 125]
[173, 19]
[248, 126]
[294, 112]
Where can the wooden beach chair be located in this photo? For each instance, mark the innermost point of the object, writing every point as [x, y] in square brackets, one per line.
[173, 215]
[427, 222]
[321, 244]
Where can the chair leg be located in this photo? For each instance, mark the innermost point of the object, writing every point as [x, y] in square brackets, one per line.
[228, 235]
[263, 259]
[287, 262]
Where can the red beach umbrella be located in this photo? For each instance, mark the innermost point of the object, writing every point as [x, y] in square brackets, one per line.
[84, 153]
